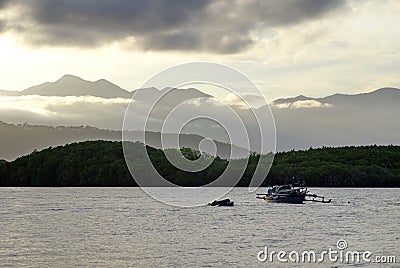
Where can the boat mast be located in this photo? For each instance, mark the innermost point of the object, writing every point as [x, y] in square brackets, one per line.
[297, 179]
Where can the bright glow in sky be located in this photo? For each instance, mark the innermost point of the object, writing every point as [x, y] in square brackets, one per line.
[352, 49]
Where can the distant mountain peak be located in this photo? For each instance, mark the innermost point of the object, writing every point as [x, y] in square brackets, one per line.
[69, 77]
[187, 91]
[102, 81]
[386, 89]
[292, 100]
[71, 85]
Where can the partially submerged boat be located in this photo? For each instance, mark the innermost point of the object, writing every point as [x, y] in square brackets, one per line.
[222, 203]
[290, 193]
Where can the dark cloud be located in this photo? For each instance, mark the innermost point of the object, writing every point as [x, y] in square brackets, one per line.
[286, 12]
[184, 40]
[2, 25]
[3, 3]
[220, 26]
[192, 40]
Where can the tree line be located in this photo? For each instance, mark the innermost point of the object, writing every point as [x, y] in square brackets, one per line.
[102, 163]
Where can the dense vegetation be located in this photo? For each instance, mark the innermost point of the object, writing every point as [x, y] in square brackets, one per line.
[101, 163]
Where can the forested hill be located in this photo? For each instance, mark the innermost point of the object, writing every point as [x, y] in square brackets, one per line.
[101, 163]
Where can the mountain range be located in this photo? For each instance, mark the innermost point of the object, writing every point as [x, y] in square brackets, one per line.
[70, 85]
[384, 96]
[301, 122]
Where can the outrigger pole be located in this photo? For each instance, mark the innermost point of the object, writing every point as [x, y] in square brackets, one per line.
[317, 198]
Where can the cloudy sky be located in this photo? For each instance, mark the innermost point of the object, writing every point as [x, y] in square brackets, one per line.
[288, 47]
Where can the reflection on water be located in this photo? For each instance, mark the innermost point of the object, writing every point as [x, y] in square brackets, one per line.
[125, 227]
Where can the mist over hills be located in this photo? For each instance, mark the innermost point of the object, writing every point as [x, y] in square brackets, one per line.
[301, 122]
[385, 96]
[337, 120]
[19, 140]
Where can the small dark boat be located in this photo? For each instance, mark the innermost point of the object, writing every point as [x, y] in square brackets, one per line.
[222, 203]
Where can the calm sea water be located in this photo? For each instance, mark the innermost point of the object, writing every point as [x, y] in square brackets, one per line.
[114, 227]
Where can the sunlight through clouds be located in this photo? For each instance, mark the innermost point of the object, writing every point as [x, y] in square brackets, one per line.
[302, 104]
[53, 105]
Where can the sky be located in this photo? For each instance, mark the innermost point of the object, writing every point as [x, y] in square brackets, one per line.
[288, 47]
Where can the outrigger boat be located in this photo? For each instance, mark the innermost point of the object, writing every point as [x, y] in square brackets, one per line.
[290, 193]
[294, 193]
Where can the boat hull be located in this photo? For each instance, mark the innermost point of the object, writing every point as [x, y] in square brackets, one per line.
[296, 199]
